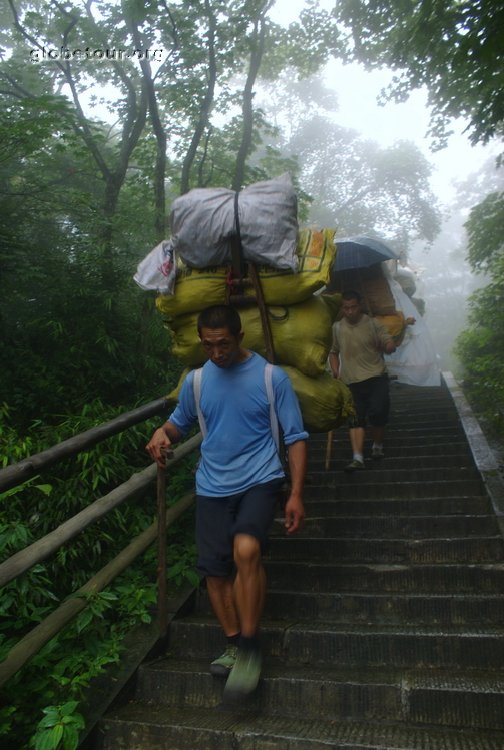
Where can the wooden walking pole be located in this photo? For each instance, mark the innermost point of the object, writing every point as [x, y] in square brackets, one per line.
[161, 540]
[263, 311]
[328, 449]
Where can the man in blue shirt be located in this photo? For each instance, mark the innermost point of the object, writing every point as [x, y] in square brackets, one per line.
[238, 481]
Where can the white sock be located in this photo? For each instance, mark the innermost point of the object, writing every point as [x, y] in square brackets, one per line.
[358, 457]
[377, 445]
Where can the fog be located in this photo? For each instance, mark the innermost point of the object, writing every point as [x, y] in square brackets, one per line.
[443, 276]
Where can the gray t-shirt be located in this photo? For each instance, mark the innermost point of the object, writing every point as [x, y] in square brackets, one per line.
[359, 348]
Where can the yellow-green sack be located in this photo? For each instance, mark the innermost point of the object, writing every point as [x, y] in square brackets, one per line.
[302, 335]
[196, 289]
[325, 403]
[395, 325]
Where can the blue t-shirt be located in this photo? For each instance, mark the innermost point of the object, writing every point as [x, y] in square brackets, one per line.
[239, 450]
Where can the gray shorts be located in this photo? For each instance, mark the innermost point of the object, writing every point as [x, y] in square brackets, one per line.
[219, 519]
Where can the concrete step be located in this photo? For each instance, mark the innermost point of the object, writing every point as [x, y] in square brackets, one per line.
[320, 644]
[425, 433]
[386, 472]
[362, 488]
[391, 608]
[398, 446]
[156, 727]
[471, 698]
[413, 462]
[397, 527]
[409, 507]
[392, 551]
[394, 579]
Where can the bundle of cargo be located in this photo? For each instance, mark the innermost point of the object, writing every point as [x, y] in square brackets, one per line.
[196, 288]
[372, 283]
[204, 222]
[197, 268]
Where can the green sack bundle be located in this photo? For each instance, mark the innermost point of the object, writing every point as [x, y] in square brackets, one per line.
[301, 333]
[196, 288]
[325, 403]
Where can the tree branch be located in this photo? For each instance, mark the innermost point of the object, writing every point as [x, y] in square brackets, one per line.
[256, 55]
[206, 103]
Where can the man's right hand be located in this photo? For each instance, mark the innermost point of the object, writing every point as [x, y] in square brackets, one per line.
[159, 446]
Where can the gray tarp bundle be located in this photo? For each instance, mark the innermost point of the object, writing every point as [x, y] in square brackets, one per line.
[204, 219]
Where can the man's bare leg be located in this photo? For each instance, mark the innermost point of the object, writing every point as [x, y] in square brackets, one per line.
[250, 593]
[220, 592]
[357, 438]
[249, 583]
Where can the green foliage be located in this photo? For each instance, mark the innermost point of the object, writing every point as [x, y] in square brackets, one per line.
[481, 346]
[62, 672]
[486, 230]
[59, 728]
[481, 350]
[454, 48]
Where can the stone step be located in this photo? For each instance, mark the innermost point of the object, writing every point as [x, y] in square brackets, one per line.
[353, 646]
[156, 727]
[394, 579]
[362, 488]
[448, 506]
[363, 550]
[396, 527]
[391, 608]
[396, 447]
[413, 462]
[425, 433]
[386, 472]
[424, 697]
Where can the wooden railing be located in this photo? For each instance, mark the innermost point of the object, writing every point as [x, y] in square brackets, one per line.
[133, 488]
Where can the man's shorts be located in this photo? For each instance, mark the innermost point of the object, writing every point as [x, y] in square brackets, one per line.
[372, 401]
[219, 519]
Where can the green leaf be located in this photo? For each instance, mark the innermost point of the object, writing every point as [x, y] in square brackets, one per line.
[45, 488]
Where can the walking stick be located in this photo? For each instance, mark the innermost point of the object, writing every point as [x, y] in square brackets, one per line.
[161, 540]
[328, 449]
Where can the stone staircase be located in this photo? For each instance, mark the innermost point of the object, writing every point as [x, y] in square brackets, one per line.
[384, 624]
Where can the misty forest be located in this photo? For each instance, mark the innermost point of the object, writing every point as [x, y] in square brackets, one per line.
[111, 110]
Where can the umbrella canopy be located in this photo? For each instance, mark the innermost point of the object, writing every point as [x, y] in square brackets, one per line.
[361, 252]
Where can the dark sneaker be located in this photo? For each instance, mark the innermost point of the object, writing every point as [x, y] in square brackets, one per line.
[222, 666]
[377, 453]
[354, 465]
[244, 676]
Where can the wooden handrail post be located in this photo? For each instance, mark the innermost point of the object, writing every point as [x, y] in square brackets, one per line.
[161, 539]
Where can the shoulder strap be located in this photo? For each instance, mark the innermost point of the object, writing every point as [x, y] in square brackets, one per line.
[197, 393]
[268, 380]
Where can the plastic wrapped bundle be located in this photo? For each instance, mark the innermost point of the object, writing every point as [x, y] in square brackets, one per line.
[264, 215]
[196, 288]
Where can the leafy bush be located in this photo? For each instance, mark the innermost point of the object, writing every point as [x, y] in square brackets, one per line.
[43, 703]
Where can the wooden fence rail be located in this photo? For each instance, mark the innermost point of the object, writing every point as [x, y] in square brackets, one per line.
[40, 550]
[12, 476]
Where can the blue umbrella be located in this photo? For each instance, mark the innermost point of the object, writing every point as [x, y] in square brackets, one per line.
[360, 252]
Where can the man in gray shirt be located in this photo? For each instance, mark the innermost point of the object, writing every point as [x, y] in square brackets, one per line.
[356, 357]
